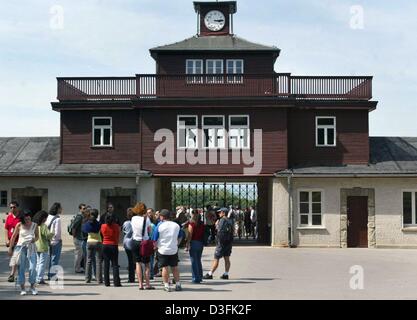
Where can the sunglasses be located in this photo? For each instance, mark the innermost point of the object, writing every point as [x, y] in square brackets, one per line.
[13, 207]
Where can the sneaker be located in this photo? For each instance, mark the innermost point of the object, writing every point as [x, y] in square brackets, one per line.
[34, 291]
[167, 289]
[42, 282]
[23, 293]
[224, 277]
[178, 287]
[10, 278]
[208, 276]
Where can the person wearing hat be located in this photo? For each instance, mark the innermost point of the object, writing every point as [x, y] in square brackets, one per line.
[224, 243]
[166, 236]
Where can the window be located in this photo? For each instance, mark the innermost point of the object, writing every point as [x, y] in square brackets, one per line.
[310, 208]
[213, 128]
[234, 67]
[239, 132]
[102, 132]
[194, 67]
[325, 131]
[214, 67]
[3, 198]
[187, 132]
[409, 208]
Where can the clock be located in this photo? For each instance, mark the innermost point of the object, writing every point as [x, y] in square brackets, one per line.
[215, 20]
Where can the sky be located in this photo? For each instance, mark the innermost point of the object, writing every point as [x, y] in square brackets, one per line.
[44, 39]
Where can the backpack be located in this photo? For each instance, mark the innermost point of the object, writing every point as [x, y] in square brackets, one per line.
[225, 234]
[206, 235]
[72, 224]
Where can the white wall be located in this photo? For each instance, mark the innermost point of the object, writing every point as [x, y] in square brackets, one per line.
[70, 192]
[388, 210]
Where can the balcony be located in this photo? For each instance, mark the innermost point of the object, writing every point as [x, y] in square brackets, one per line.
[277, 85]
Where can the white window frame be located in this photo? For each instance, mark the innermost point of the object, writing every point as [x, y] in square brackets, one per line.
[214, 79]
[102, 128]
[194, 79]
[189, 127]
[310, 209]
[234, 79]
[326, 128]
[239, 127]
[413, 208]
[223, 146]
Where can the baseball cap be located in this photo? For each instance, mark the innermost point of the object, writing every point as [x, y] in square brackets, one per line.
[165, 213]
[223, 209]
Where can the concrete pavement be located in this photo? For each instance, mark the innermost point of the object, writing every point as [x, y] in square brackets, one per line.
[259, 273]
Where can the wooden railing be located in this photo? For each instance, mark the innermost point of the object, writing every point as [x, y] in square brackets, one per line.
[279, 85]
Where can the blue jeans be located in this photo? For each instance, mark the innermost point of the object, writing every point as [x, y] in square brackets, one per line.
[41, 266]
[55, 255]
[22, 266]
[196, 251]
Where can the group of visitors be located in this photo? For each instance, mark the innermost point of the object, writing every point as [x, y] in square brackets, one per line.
[151, 241]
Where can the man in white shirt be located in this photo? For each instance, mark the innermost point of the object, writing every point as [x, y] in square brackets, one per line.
[166, 236]
[253, 218]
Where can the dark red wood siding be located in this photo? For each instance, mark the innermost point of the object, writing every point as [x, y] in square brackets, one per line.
[352, 144]
[254, 63]
[77, 137]
[274, 139]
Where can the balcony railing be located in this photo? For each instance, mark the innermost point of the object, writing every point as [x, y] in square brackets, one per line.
[279, 85]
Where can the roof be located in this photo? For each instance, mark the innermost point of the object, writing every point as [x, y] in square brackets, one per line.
[40, 157]
[389, 156]
[232, 5]
[215, 43]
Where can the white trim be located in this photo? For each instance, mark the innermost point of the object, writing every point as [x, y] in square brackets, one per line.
[178, 127]
[193, 76]
[239, 127]
[211, 77]
[310, 209]
[326, 127]
[101, 127]
[214, 127]
[413, 208]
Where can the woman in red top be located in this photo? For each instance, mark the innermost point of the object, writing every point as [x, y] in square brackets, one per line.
[195, 245]
[110, 232]
[11, 222]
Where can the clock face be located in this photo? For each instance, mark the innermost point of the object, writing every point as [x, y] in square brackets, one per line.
[215, 20]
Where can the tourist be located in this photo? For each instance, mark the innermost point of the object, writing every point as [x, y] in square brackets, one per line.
[54, 225]
[152, 217]
[110, 210]
[110, 231]
[166, 237]
[75, 229]
[224, 242]
[239, 222]
[11, 221]
[94, 247]
[254, 222]
[42, 245]
[141, 227]
[25, 250]
[248, 223]
[195, 245]
[127, 244]
[211, 222]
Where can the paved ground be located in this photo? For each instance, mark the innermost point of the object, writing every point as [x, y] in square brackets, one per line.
[260, 273]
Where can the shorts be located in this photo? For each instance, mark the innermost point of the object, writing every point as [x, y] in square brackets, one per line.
[223, 250]
[167, 260]
[136, 253]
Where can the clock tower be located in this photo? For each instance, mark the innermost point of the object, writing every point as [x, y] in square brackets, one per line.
[215, 18]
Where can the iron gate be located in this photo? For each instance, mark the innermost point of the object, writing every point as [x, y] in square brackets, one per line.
[199, 195]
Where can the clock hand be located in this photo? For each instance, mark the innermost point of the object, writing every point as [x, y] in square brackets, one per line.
[218, 20]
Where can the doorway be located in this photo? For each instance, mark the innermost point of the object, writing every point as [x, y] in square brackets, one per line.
[357, 222]
[32, 204]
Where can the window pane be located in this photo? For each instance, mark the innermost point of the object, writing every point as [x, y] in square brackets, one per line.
[181, 138]
[213, 121]
[187, 121]
[320, 137]
[191, 138]
[407, 210]
[316, 220]
[330, 137]
[316, 207]
[97, 137]
[304, 207]
[107, 136]
[304, 220]
[102, 122]
[304, 196]
[3, 201]
[316, 196]
[325, 122]
[238, 121]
